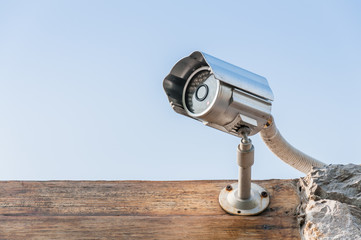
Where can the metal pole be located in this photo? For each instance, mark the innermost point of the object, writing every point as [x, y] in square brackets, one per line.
[245, 160]
[244, 198]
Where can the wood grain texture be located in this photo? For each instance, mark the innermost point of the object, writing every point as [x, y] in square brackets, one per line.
[139, 210]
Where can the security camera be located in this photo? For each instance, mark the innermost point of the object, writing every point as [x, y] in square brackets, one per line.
[237, 102]
[219, 94]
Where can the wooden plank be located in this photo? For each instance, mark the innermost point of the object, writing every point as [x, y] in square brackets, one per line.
[142, 227]
[139, 210]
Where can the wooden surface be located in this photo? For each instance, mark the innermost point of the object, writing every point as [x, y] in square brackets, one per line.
[139, 210]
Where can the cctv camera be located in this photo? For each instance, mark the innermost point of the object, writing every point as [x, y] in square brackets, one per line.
[219, 94]
[237, 102]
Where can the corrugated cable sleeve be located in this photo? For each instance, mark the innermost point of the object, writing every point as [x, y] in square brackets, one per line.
[285, 151]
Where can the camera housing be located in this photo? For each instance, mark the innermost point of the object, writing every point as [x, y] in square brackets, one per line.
[219, 94]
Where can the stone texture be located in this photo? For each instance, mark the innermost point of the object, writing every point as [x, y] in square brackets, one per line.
[331, 203]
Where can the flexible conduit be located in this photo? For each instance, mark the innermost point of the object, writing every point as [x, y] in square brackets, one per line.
[285, 151]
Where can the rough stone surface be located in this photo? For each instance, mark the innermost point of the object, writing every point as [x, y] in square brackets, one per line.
[331, 203]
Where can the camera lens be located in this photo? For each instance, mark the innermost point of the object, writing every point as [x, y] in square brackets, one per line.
[202, 92]
[196, 89]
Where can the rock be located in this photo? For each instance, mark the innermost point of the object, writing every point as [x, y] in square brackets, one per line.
[331, 203]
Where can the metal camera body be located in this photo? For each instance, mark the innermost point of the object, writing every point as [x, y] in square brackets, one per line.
[219, 94]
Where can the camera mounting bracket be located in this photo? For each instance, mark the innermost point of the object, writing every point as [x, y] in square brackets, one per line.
[244, 197]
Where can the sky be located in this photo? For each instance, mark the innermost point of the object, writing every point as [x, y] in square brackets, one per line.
[81, 94]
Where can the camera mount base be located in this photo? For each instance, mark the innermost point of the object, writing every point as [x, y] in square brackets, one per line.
[231, 203]
[244, 197]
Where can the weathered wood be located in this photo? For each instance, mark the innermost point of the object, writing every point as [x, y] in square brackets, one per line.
[139, 210]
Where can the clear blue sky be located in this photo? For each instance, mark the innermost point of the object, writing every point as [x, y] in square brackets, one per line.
[81, 92]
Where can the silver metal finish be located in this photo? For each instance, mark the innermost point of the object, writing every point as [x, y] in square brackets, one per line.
[245, 160]
[238, 77]
[244, 197]
[231, 203]
[219, 94]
